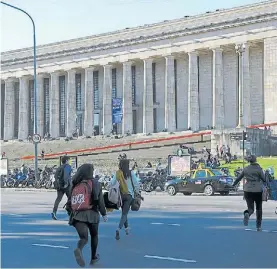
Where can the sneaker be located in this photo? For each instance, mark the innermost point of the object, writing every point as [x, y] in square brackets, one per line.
[246, 219]
[54, 217]
[259, 229]
[79, 257]
[95, 259]
[117, 236]
[127, 231]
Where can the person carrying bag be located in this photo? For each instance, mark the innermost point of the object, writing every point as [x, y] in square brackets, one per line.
[129, 186]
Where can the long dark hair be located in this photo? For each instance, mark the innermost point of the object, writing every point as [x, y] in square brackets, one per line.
[84, 172]
[124, 167]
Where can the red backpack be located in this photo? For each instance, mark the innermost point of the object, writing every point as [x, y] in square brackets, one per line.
[81, 196]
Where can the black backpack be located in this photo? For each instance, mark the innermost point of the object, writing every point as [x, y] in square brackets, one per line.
[59, 178]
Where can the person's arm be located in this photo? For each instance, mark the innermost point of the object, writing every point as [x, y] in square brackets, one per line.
[262, 176]
[135, 181]
[102, 208]
[239, 178]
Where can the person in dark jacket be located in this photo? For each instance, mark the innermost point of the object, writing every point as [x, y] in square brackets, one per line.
[87, 220]
[64, 185]
[253, 190]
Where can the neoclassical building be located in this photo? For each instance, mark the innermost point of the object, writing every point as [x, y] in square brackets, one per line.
[171, 75]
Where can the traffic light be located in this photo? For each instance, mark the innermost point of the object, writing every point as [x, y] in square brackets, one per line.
[244, 135]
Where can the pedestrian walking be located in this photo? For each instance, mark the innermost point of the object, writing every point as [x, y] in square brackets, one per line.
[84, 204]
[253, 190]
[62, 183]
[128, 185]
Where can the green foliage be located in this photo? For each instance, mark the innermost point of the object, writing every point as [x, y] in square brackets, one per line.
[264, 163]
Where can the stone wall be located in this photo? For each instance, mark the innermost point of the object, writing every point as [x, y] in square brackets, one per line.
[261, 143]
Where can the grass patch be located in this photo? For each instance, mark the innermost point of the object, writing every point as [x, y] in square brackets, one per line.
[264, 163]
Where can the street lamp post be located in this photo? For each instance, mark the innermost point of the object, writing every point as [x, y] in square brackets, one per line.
[240, 49]
[35, 84]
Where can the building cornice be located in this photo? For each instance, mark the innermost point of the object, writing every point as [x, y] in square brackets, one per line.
[144, 39]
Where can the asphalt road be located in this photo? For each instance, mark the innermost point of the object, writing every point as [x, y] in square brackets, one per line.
[180, 231]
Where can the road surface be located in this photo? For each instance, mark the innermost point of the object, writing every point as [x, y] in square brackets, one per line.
[180, 231]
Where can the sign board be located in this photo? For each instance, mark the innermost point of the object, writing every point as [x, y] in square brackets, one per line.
[179, 165]
[247, 145]
[73, 161]
[4, 167]
[36, 138]
[117, 110]
[236, 136]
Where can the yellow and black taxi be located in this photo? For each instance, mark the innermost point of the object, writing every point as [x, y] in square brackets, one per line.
[202, 180]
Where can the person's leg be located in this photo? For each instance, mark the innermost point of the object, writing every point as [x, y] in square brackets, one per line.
[60, 194]
[82, 230]
[126, 203]
[259, 209]
[93, 230]
[250, 207]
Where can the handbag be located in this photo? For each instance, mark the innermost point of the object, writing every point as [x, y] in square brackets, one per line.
[136, 202]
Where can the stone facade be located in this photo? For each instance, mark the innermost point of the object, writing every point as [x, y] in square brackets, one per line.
[171, 76]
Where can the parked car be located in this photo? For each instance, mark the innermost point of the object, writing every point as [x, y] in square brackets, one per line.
[207, 181]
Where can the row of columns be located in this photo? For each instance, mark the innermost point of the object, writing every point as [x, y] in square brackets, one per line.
[148, 120]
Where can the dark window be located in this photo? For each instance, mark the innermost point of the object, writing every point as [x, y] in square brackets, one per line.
[154, 82]
[134, 122]
[133, 84]
[176, 94]
[237, 91]
[78, 92]
[79, 110]
[16, 109]
[96, 89]
[31, 107]
[2, 110]
[62, 110]
[200, 173]
[46, 110]
[114, 89]
[155, 119]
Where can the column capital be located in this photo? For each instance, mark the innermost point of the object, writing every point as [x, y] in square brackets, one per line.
[89, 69]
[241, 47]
[128, 63]
[107, 66]
[169, 57]
[148, 60]
[10, 79]
[71, 71]
[216, 49]
[193, 53]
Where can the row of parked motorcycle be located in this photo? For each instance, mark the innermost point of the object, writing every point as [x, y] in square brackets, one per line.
[149, 180]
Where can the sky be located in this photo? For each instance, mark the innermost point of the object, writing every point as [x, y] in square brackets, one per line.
[58, 20]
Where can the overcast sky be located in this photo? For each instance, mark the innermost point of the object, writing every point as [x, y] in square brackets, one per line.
[58, 20]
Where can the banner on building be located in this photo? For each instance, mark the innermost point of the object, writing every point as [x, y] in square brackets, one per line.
[117, 110]
[178, 165]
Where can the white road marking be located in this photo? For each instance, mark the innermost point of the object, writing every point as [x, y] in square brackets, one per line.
[157, 223]
[253, 230]
[17, 215]
[49, 246]
[174, 224]
[169, 259]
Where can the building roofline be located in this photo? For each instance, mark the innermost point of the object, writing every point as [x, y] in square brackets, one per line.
[153, 25]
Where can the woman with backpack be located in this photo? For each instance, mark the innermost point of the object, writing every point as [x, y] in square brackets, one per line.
[129, 185]
[84, 204]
